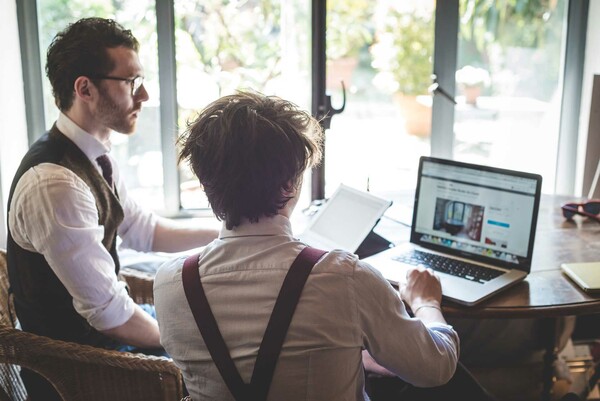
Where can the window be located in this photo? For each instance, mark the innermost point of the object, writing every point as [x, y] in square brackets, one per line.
[140, 155]
[507, 84]
[222, 46]
[509, 79]
[385, 53]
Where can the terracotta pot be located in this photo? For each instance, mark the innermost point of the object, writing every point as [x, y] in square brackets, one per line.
[340, 70]
[471, 94]
[417, 116]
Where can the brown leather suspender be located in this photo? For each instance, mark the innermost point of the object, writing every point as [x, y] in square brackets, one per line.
[272, 342]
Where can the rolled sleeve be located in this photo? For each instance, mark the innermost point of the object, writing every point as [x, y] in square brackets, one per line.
[116, 312]
[446, 354]
[53, 212]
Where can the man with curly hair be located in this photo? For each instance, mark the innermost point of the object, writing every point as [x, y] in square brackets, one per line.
[250, 153]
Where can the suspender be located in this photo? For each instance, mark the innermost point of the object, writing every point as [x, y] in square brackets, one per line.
[272, 342]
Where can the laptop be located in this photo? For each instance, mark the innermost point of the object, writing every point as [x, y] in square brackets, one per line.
[345, 220]
[474, 225]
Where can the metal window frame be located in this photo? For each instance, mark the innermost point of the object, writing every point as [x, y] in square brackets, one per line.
[169, 127]
[570, 110]
[32, 68]
[445, 57]
[318, 74]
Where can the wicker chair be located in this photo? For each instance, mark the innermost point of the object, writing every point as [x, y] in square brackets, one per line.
[140, 285]
[80, 372]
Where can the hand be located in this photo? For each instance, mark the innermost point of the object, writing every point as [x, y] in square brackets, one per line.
[372, 366]
[422, 287]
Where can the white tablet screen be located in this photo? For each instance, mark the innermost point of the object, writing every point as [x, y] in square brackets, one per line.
[347, 218]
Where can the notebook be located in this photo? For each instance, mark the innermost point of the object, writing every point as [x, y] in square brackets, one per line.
[474, 225]
[345, 220]
[586, 275]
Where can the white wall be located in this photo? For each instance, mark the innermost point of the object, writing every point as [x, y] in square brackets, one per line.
[591, 67]
[13, 125]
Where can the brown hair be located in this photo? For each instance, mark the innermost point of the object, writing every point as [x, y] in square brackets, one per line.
[80, 50]
[247, 150]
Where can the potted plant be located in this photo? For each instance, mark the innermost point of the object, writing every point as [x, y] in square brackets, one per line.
[349, 30]
[471, 81]
[403, 57]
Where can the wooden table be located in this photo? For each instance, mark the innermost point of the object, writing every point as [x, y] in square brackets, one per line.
[546, 292]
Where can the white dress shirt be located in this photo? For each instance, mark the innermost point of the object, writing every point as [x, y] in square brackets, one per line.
[54, 213]
[346, 306]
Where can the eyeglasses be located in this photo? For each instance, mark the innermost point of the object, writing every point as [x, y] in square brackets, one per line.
[589, 209]
[136, 83]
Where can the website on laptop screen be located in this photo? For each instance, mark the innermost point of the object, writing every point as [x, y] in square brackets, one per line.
[473, 212]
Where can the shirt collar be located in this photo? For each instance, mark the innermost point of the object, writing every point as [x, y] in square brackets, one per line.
[89, 145]
[266, 226]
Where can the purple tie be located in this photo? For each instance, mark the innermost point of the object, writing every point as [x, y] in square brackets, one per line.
[106, 167]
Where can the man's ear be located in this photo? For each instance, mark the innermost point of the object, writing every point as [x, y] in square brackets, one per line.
[293, 187]
[289, 191]
[84, 89]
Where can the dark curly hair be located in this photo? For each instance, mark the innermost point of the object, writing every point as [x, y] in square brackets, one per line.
[247, 150]
[80, 50]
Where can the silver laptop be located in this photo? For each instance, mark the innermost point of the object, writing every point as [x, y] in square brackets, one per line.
[474, 225]
[345, 220]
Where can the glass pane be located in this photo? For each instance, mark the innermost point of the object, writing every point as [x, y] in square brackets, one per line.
[383, 51]
[508, 84]
[226, 45]
[139, 155]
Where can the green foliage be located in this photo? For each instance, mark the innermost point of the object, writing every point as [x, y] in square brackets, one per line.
[491, 29]
[517, 23]
[55, 15]
[349, 27]
[403, 52]
[138, 16]
[237, 37]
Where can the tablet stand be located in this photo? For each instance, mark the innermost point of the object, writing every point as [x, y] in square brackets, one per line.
[372, 244]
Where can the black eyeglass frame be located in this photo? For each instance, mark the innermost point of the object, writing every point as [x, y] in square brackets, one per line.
[583, 209]
[135, 82]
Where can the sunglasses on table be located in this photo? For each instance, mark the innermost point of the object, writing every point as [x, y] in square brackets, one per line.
[589, 209]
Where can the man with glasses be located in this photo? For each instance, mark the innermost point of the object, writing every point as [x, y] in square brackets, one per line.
[68, 203]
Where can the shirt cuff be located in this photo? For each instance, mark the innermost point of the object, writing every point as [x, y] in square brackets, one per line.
[443, 328]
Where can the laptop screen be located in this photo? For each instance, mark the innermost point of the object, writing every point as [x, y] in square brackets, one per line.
[477, 212]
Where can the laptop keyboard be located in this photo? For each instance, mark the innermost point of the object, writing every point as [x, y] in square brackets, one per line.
[453, 267]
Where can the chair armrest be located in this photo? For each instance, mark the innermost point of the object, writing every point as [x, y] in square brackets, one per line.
[81, 372]
[140, 285]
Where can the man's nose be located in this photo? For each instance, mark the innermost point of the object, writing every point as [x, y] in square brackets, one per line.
[142, 94]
